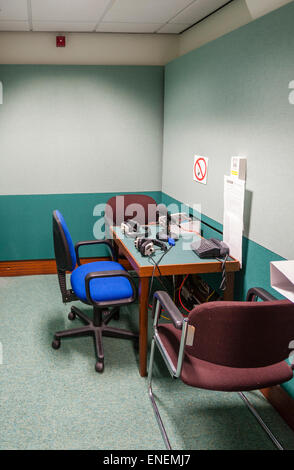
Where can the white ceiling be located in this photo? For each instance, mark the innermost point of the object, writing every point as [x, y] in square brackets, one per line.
[111, 16]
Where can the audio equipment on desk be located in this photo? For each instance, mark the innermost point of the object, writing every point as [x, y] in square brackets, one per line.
[213, 248]
[146, 245]
[164, 215]
[133, 229]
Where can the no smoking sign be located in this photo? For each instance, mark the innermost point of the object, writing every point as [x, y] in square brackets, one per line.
[200, 169]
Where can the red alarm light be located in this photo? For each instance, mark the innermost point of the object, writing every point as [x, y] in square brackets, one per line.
[60, 41]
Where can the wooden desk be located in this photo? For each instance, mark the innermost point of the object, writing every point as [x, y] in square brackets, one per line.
[179, 260]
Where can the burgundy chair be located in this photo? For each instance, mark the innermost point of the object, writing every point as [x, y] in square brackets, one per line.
[123, 207]
[225, 346]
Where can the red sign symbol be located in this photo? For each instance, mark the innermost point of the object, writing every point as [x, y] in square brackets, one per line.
[200, 169]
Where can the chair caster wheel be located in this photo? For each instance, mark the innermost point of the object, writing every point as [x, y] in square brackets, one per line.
[99, 366]
[56, 344]
[71, 316]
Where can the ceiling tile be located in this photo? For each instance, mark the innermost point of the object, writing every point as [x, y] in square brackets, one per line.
[63, 26]
[117, 16]
[68, 10]
[143, 11]
[128, 27]
[198, 10]
[173, 28]
[14, 26]
[13, 10]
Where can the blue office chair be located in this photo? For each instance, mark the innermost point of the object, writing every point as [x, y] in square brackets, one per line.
[105, 285]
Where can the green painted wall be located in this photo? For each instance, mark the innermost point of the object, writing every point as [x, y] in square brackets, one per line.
[70, 138]
[231, 97]
[255, 272]
[26, 223]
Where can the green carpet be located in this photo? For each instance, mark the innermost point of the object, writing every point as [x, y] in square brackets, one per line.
[55, 400]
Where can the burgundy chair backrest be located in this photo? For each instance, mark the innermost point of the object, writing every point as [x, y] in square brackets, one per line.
[242, 334]
[121, 208]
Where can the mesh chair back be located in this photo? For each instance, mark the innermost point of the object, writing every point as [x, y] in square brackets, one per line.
[242, 334]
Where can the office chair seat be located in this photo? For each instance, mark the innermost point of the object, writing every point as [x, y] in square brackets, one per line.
[209, 376]
[104, 289]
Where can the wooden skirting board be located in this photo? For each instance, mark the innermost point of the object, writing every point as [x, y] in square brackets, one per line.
[282, 402]
[41, 266]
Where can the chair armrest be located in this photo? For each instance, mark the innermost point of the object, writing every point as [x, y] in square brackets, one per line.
[161, 299]
[94, 242]
[109, 274]
[170, 308]
[258, 292]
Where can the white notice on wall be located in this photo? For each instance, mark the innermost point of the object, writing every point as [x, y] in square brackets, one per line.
[234, 194]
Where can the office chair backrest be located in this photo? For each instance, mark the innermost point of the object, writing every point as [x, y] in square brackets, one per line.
[63, 245]
[122, 208]
[242, 334]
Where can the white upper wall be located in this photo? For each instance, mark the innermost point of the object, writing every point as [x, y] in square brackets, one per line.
[87, 49]
[259, 8]
[128, 49]
[231, 17]
[227, 19]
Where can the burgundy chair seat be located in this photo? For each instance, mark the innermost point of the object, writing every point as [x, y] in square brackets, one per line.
[210, 376]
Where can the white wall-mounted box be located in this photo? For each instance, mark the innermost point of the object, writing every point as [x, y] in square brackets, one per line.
[282, 278]
[238, 168]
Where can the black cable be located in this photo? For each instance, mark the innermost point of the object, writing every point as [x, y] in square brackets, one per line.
[156, 263]
[151, 284]
[223, 284]
[156, 266]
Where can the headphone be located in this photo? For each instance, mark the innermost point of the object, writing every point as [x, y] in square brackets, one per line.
[132, 229]
[146, 245]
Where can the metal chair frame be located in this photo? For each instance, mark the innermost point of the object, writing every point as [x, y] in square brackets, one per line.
[181, 323]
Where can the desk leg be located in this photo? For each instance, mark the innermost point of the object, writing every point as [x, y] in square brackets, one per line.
[229, 292]
[143, 324]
